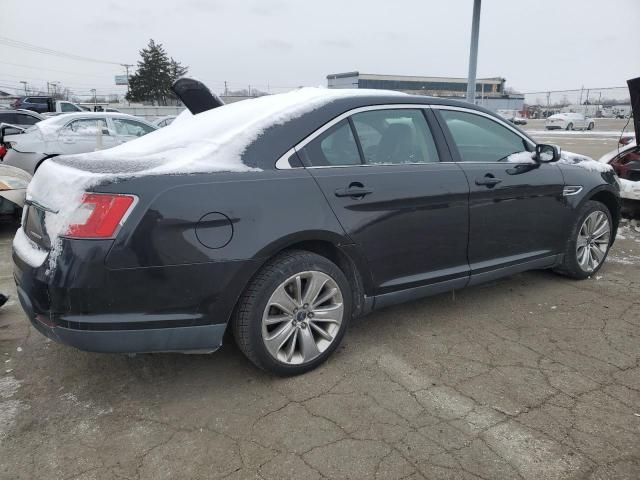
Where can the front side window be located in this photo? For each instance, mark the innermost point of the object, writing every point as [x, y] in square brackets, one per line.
[480, 139]
[86, 126]
[395, 137]
[131, 128]
[335, 147]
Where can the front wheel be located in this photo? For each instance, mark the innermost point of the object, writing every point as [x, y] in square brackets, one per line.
[589, 242]
[570, 126]
[591, 126]
[293, 314]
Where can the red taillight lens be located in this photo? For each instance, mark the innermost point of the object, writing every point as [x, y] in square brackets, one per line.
[99, 215]
[3, 151]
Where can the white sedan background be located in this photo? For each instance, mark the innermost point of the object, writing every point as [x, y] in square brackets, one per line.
[72, 133]
[569, 121]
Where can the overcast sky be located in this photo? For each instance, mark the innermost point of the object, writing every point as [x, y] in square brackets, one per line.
[536, 45]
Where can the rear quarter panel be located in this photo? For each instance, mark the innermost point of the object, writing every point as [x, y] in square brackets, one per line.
[267, 210]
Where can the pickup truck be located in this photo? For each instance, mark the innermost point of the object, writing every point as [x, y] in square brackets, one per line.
[45, 105]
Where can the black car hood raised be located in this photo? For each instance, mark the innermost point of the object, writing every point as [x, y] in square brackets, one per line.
[634, 91]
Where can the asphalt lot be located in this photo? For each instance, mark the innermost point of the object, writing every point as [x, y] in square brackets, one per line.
[532, 377]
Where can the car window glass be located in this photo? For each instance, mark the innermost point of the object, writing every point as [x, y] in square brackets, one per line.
[68, 107]
[130, 127]
[395, 137]
[480, 139]
[24, 119]
[8, 117]
[85, 126]
[335, 147]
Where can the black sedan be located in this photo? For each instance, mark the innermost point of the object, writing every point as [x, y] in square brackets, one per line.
[351, 203]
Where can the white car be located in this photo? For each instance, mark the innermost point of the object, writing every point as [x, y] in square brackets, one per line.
[569, 121]
[69, 134]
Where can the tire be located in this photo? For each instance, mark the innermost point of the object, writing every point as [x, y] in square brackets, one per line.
[274, 327]
[570, 126]
[591, 126]
[571, 265]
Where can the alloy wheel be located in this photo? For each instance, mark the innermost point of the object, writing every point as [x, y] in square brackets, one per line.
[593, 241]
[302, 317]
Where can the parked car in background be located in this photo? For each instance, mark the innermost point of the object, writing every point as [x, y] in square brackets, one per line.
[45, 104]
[569, 121]
[164, 121]
[512, 116]
[259, 217]
[69, 134]
[20, 118]
[16, 118]
[13, 189]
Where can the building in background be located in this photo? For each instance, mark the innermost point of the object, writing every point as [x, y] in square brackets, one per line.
[490, 92]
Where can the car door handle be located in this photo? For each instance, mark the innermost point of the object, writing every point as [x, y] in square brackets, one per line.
[488, 181]
[352, 192]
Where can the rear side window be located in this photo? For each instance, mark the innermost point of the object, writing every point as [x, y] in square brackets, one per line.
[86, 126]
[397, 136]
[24, 119]
[8, 117]
[480, 139]
[335, 147]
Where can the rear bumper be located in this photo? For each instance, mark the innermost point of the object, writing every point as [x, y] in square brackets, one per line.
[183, 308]
[124, 336]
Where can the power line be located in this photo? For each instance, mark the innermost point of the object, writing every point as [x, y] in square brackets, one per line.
[48, 51]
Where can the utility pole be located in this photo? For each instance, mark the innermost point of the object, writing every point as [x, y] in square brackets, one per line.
[93, 90]
[226, 90]
[25, 86]
[473, 52]
[249, 93]
[126, 68]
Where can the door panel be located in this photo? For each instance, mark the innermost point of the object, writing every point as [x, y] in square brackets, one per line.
[404, 209]
[517, 210]
[520, 218]
[412, 226]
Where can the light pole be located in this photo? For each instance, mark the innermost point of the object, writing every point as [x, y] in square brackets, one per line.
[93, 90]
[473, 52]
[25, 86]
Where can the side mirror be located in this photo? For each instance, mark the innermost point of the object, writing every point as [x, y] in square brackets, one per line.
[547, 153]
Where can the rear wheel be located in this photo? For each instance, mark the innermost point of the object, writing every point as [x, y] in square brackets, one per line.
[589, 242]
[570, 126]
[294, 313]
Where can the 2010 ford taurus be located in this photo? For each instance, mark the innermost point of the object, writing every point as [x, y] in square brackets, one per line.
[284, 217]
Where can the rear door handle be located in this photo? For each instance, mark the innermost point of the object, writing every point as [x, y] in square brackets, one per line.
[352, 192]
[488, 181]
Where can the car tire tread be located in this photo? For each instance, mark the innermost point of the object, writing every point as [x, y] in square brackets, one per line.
[569, 266]
[246, 321]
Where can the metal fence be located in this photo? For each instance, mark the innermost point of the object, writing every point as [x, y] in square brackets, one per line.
[607, 102]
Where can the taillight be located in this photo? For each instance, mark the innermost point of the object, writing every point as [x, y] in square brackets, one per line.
[99, 215]
[3, 151]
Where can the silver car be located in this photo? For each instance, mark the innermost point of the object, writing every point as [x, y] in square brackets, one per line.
[71, 133]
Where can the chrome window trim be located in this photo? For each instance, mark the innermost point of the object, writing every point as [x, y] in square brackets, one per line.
[283, 162]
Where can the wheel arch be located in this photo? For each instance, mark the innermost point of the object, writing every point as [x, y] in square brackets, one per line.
[609, 200]
[332, 246]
